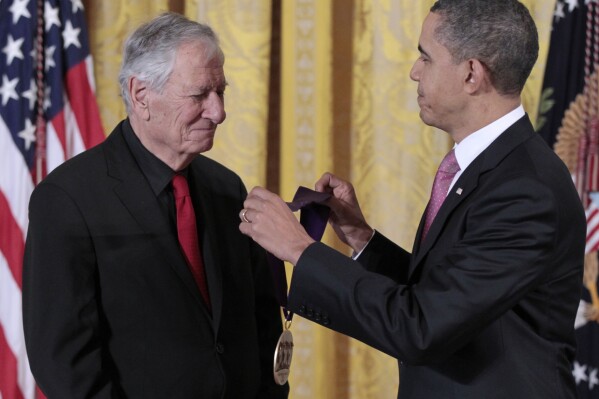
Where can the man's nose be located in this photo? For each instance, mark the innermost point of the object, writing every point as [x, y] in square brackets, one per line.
[214, 108]
[415, 71]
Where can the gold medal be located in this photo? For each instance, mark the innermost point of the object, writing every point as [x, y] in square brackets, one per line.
[283, 354]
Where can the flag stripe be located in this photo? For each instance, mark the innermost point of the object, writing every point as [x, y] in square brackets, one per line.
[17, 185]
[60, 131]
[11, 241]
[8, 373]
[11, 315]
[86, 113]
[74, 136]
[55, 154]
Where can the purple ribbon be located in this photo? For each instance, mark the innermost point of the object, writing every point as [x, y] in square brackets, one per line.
[313, 217]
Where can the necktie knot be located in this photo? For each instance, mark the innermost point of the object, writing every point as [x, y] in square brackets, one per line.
[449, 164]
[180, 186]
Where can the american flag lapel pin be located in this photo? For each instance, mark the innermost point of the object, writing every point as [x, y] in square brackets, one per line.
[459, 191]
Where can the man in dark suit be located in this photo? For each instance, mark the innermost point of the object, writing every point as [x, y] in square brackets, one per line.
[484, 305]
[111, 306]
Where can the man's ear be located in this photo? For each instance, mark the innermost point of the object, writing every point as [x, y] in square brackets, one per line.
[476, 76]
[139, 94]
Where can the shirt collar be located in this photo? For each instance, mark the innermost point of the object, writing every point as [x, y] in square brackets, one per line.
[471, 147]
[157, 173]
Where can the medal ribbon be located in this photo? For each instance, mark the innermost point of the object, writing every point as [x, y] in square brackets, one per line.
[314, 216]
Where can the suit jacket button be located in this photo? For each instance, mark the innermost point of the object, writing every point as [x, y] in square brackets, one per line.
[326, 321]
[317, 317]
[220, 348]
[302, 309]
[310, 313]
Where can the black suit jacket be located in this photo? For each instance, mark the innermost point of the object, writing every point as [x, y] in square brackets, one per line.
[111, 309]
[485, 306]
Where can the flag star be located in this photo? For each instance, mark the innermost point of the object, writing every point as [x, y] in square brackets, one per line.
[593, 380]
[579, 372]
[50, 16]
[77, 5]
[19, 9]
[47, 99]
[13, 49]
[50, 57]
[31, 94]
[70, 35]
[572, 4]
[559, 11]
[28, 134]
[7, 90]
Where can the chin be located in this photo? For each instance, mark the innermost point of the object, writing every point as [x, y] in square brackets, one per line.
[204, 148]
[424, 118]
[198, 147]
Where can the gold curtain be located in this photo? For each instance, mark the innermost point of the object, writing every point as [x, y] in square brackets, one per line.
[109, 23]
[244, 29]
[346, 105]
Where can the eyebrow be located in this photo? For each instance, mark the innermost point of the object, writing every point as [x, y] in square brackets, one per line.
[219, 86]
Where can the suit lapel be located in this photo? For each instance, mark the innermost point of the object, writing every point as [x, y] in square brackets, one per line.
[487, 160]
[209, 241]
[132, 188]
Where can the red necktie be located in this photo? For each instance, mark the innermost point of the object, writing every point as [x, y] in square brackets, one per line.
[445, 174]
[188, 234]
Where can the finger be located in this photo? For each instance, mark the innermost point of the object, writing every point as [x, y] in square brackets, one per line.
[261, 192]
[323, 184]
[246, 228]
[243, 216]
[253, 203]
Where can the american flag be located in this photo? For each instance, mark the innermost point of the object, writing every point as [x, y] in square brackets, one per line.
[53, 75]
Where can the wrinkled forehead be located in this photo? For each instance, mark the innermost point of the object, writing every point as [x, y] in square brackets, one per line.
[202, 52]
[198, 66]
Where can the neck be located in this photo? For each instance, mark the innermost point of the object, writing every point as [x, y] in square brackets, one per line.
[483, 112]
[175, 161]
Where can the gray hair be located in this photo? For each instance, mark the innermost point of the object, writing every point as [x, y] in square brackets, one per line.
[501, 34]
[149, 53]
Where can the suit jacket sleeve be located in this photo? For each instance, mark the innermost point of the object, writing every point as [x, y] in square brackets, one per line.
[384, 257]
[60, 273]
[502, 252]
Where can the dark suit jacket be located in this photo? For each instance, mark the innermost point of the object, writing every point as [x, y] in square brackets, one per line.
[111, 309]
[485, 307]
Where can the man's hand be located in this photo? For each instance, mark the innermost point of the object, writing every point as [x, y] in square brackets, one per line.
[267, 219]
[346, 216]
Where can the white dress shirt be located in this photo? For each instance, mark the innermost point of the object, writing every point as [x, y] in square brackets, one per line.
[475, 143]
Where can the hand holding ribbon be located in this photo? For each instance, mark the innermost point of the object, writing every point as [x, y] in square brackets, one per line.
[268, 220]
[313, 218]
[346, 216]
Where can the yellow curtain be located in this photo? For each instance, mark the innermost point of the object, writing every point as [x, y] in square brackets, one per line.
[244, 29]
[307, 152]
[109, 24]
[347, 106]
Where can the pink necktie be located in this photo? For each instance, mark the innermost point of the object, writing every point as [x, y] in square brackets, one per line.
[445, 174]
[188, 234]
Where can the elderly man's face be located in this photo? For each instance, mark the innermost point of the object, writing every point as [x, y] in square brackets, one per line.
[185, 115]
